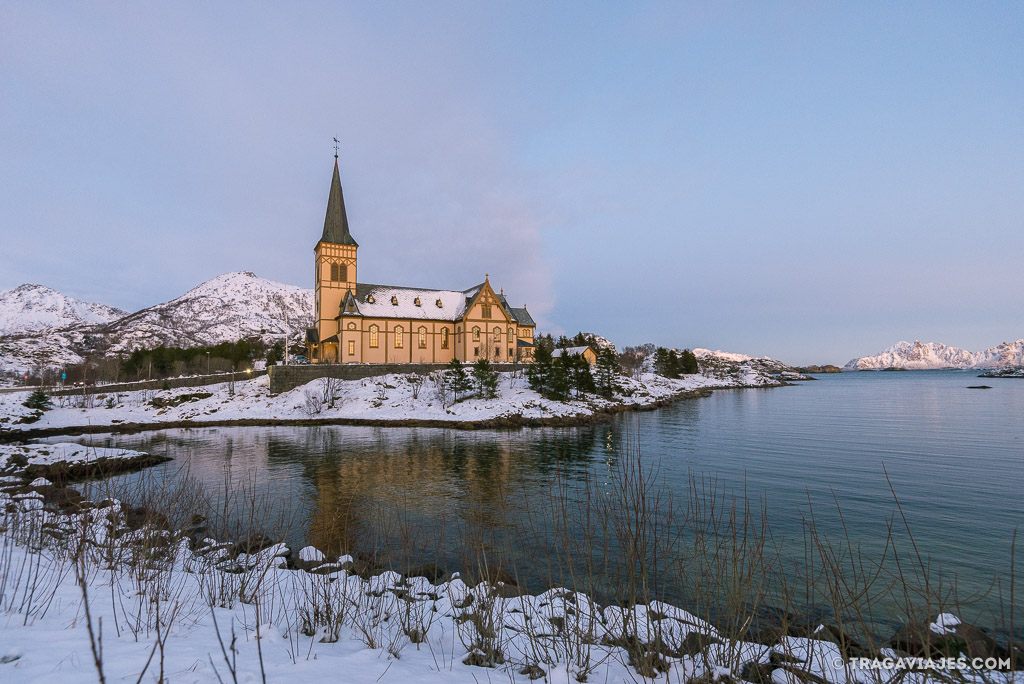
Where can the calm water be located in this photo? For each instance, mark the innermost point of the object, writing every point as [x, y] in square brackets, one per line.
[955, 457]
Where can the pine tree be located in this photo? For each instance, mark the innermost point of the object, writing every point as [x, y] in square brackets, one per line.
[661, 361]
[539, 372]
[688, 361]
[558, 384]
[580, 376]
[607, 369]
[457, 380]
[673, 365]
[486, 379]
[38, 401]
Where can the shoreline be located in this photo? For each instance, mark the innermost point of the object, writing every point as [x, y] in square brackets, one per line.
[601, 414]
[383, 401]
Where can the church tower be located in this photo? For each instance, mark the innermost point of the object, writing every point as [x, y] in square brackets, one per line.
[335, 257]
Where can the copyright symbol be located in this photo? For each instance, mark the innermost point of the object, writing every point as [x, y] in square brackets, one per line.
[838, 662]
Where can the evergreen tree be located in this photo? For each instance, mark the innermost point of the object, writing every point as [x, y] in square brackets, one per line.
[539, 372]
[457, 380]
[580, 377]
[688, 361]
[675, 366]
[558, 384]
[486, 379]
[38, 400]
[607, 368]
[661, 361]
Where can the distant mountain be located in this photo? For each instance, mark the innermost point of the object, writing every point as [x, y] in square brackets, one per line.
[227, 308]
[40, 326]
[31, 308]
[935, 355]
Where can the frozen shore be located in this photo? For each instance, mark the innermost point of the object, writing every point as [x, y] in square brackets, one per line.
[100, 586]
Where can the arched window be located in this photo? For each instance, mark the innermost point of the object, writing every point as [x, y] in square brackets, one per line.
[373, 336]
[342, 272]
[476, 333]
[423, 337]
[444, 338]
[399, 333]
[334, 272]
[497, 335]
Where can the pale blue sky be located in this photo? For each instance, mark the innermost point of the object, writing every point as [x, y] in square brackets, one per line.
[811, 181]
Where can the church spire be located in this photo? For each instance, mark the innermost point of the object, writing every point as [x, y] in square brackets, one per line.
[336, 221]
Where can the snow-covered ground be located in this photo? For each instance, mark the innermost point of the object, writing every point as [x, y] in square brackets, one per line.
[20, 456]
[85, 591]
[383, 398]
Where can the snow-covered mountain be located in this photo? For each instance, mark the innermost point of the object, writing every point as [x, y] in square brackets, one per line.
[39, 326]
[935, 355]
[30, 308]
[227, 308]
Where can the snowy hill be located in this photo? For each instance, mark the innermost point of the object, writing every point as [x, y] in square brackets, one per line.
[39, 326]
[935, 355]
[227, 308]
[30, 308]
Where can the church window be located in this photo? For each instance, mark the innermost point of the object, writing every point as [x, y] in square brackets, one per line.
[510, 352]
[373, 336]
[423, 337]
[485, 310]
[497, 335]
[394, 300]
[444, 338]
[476, 351]
[417, 302]
[476, 334]
[399, 337]
[334, 272]
[351, 347]
[351, 326]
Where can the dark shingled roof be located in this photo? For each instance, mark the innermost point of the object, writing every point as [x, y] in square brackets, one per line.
[520, 316]
[336, 221]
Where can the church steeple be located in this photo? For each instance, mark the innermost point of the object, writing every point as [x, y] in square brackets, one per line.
[336, 221]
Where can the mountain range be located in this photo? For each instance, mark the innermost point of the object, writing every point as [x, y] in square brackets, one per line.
[935, 355]
[41, 326]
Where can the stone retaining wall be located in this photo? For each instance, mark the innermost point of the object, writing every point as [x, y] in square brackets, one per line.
[284, 378]
[172, 383]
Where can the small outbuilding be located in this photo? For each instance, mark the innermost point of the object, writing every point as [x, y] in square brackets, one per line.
[586, 352]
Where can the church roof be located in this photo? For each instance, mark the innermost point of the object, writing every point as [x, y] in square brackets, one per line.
[520, 316]
[336, 221]
[391, 301]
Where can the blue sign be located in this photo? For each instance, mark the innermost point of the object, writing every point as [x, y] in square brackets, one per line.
[63, 376]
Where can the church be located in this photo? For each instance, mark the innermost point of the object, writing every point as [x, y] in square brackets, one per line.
[363, 323]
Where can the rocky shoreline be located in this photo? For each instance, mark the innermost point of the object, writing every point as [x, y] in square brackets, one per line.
[648, 638]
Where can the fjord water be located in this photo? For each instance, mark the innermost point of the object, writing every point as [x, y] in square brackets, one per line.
[955, 457]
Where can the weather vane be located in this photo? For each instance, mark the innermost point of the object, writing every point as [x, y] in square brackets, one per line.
[336, 143]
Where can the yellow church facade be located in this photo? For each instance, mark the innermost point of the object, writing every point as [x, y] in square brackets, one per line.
[358, 322]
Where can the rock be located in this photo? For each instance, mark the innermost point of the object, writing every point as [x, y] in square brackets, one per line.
[432, 571]
[832, 634]
[141, 516]
[919, 639]
[255, 542]
[979, 387]
[758, 673]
